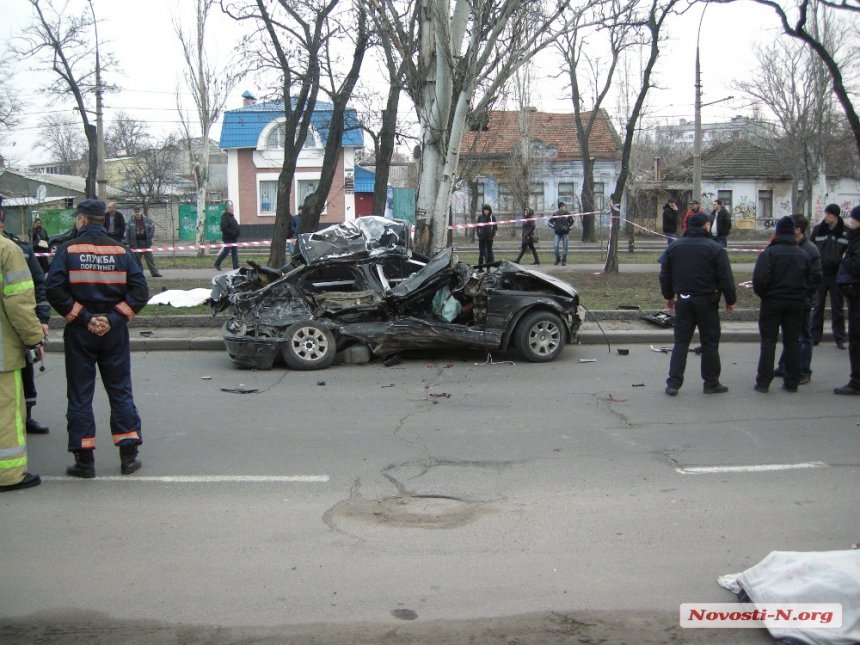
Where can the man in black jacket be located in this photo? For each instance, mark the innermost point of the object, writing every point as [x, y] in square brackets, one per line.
[781, 278]
[697, 270]
[670, 220]
[848, 279]
[229, 235]
[721, 223]
[829, 237]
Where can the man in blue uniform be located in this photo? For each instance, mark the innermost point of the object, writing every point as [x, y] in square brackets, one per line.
[96, 285]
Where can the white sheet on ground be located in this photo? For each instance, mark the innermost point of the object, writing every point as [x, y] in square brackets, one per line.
[807, 577]
[180, 297]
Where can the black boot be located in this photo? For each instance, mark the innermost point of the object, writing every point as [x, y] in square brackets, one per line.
[129, 462]
[33, 426]
[85, 465]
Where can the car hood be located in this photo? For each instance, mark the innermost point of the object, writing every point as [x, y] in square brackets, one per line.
[555, 282]
[355, 240]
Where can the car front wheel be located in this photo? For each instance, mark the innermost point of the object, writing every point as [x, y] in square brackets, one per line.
[309, 346]
[540, 337]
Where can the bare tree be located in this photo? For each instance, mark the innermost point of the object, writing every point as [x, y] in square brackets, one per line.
[210, 86]
[591, 76]
[62, 137]
[150, 173]
[650, 20]
[466, 53]
[799, 22]
[65, 44]
[126, 136]
[298, 40]
[10, 103]
[793, 82]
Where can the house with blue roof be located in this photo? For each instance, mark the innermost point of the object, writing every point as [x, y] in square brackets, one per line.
[253, 137]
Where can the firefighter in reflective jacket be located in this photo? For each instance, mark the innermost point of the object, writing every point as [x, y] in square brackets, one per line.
[96, 285]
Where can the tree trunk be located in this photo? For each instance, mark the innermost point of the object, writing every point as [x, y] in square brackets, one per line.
[386, 149]
[587, 196]
[91, 189]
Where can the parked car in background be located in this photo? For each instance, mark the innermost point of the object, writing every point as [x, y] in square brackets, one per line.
[355, 291]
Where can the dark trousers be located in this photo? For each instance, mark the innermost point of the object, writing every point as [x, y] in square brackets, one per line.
[523, 247]
[773, 316]
[702, 312]
[232, 251]
[150, 261]
[854, 340]
[829, 287]
[85, 351]
[805, 346]
[485, 251]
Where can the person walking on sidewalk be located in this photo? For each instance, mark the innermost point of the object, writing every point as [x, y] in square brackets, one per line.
[829, 237]
[141, 231]
[486, 232]
[98, 288]
[848, 279]
[781, 278]
[561, 222]
[19, 329]
[694, 275]
[528, 239]
[229, 235]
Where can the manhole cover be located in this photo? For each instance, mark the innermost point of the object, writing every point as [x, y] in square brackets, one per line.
[409, 511]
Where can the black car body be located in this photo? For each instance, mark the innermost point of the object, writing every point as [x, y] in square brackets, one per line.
[355, 291]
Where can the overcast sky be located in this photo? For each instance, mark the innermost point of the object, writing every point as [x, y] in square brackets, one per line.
[141, 36]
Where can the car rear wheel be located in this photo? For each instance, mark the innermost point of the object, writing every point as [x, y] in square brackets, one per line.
[540, 337]
[309, 346]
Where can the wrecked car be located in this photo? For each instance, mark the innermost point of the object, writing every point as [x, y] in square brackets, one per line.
[354, 292]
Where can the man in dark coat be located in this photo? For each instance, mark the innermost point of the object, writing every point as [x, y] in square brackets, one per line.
[114, 222]
[696, 270]
[829, 237]
[721, 223]
[848, 279]
[229, 235]
[801, 225]
[670, 220]
[781, 278]
[528, 238]
[486, 233]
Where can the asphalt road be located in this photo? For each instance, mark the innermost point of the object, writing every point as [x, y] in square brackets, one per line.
[442, 500]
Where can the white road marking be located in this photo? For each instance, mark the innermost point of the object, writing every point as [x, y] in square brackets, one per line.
[207, 479]
[755, 468]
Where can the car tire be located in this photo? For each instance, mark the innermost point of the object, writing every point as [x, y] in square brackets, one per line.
[540, 337]
[309, 346]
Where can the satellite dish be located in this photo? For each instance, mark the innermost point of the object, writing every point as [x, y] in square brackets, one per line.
[41, 191]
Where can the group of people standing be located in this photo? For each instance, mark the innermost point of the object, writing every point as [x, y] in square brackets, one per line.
[793, 276]
[720, 219]
[561, 221]
[97, 287]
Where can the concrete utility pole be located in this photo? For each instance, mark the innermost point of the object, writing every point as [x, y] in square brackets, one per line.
[697, 133]
[101, 182]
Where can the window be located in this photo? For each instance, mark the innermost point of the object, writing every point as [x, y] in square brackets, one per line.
[536, 197]
[765, 206]
[268, 197]
[305, 187]
[277, 138]
[506, 199]
[726, 197]
[566, 194]
[599, 194]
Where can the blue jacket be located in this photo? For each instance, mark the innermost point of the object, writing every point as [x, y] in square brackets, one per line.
[93, 274]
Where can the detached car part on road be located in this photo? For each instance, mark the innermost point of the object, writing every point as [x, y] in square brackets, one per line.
[354, 291]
